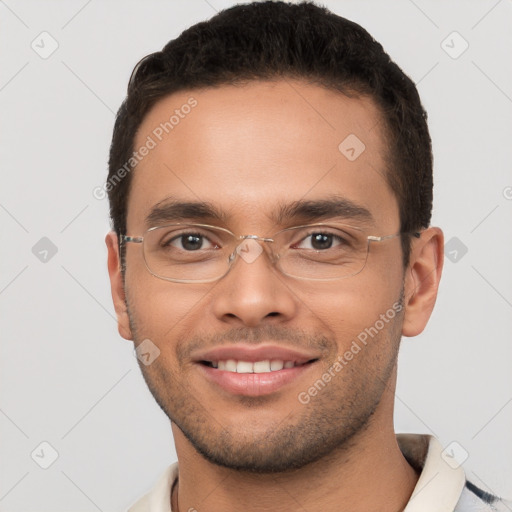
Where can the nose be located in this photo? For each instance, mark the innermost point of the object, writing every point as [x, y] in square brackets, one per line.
[253, 291]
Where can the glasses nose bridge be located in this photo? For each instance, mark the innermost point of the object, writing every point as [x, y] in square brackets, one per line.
[255, 237]
[239, 240]
[242, 238]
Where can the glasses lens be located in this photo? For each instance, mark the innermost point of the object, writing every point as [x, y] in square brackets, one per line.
[187, 252]
[322, 252]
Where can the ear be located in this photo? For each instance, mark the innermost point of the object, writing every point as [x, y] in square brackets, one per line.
[117, 286]
[422, 280]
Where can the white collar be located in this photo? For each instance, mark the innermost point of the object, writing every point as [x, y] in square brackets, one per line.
[440, 484]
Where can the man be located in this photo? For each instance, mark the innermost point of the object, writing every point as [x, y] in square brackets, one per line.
[270, 184]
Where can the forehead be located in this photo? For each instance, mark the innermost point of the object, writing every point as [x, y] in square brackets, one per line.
[250, 149]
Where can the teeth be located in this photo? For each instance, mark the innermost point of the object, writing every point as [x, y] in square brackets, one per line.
[277, 365]
[261, 366]
[265, 366]
[231, 365]
[243, 367]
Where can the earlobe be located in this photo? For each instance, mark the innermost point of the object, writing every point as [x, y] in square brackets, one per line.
[117, 286]
[422, 280]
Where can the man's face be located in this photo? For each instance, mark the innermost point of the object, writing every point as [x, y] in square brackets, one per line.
[249, 151]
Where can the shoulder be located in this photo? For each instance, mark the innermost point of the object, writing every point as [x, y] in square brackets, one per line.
[158, 499]
[474, 499]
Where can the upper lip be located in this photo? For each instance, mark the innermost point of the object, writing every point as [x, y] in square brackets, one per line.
[253, 353]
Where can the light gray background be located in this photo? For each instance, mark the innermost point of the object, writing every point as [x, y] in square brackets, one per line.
[67, 378]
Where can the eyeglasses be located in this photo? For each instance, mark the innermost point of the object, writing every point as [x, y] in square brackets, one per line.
[200, 253]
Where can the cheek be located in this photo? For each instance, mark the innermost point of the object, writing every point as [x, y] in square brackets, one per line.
[162, 310]
[349, 308]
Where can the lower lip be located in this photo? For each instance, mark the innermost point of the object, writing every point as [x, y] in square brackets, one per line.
[253, 384]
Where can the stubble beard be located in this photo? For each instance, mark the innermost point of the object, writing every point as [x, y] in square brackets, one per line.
[328, 425]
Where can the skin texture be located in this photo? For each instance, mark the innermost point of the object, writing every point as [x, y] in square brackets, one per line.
[247, 149]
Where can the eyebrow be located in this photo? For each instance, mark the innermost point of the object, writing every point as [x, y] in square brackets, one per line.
[333, 207]
[171, 210]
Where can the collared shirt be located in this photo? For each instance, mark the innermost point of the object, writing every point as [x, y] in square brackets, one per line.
[441, 487]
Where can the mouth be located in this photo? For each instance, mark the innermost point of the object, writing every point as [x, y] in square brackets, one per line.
[254, 371]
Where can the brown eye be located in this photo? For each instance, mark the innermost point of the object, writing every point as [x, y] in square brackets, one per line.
[188, 242]
[191, 242]
[321, 241]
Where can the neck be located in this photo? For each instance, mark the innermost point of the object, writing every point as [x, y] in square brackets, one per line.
[369, 473]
